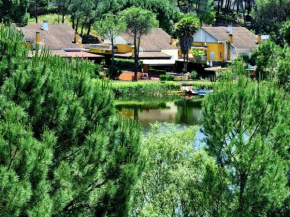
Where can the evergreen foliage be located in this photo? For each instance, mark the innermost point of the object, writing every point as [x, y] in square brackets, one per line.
[139, 22]
[64, 152]
[285, 31]
[109, 28]
[247, 129]
[184, 31]
[14, 12]
[266, 58]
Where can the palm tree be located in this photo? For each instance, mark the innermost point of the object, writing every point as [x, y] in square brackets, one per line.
[185, 29]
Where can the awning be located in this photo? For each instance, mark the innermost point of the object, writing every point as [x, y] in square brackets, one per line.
[159, 62]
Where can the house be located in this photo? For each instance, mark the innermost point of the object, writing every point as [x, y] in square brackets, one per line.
[225, 43]
[60, 39]
[157, 48]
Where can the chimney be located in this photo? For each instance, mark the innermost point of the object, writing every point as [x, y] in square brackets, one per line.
[37, 37]
[230, 38]
[45, 25]
[77, 38]
[259, 39]
[230, 29]
[172, 42]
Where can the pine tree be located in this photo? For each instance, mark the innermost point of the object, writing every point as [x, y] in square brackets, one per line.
[65, 150]
[247, 129]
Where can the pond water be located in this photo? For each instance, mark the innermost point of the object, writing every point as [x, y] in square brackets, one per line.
[178, 110]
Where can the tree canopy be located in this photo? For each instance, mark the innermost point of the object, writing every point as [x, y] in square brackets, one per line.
[64, 151]
[139, 22]
[14, 12]
[184, 30]
[246, 128]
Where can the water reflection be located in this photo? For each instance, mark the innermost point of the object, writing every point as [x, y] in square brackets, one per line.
[177, 110]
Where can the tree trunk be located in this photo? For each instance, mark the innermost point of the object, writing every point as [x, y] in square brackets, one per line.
[135, 58]
[89, 27]
[77, 25]
[113, 53]
[62, 19]
[238, 6]
[243, 180]
[73, 21]
[184, 63]
[244, 13]
[83, 26]
[218, 9]
[36, 17]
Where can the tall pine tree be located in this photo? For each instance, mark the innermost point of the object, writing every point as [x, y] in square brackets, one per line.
[64, 151]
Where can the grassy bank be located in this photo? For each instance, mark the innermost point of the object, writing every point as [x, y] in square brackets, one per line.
[199, 84]
[144, 88]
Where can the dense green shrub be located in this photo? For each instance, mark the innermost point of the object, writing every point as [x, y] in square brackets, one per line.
[196, 66]
[113, 73]
[166, 77]
[193, 74]
[157, 71]
[144, 88]
[126, 64]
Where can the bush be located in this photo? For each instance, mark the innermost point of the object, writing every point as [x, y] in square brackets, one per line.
[126, 64]
[193, 74]
[113, 73]
[157, 71]
[144, 88]
[166, 77]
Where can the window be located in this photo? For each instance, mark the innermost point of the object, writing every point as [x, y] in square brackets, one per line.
[221, 54]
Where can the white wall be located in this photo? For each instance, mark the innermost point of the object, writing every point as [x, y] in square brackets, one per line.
[203, 36]
[171, 53]
[118, 40]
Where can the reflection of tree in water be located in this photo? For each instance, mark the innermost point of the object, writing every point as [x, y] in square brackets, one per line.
[139, 108]
[185, 111]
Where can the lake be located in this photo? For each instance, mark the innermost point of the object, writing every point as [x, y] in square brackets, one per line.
[179, 110]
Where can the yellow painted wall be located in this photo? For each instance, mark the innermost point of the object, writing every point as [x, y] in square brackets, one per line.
[92, 50]
[95, 50]
[123, 48]
[216, 48]
[180, 53]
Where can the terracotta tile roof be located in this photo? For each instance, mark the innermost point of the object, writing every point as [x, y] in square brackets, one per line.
[242, 37]
[157, 40]
[62, 53]
[58, 36]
